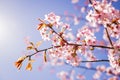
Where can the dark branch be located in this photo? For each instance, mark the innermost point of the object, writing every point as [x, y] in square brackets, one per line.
[43, 50]
[58, 35]
[93, 69]
[90, 1]
[96, 61]
[109, 37]
[98, 46]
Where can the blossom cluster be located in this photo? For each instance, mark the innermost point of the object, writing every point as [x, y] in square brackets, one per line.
[67, 48]
[85, 37]
[104, 13]
[114, 56]
[64, 75]
[53, 20]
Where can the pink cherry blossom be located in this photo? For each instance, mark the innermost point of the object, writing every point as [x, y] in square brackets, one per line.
[113, 78]
[114, 56]
[101, 13]
[74, 1]
[87, 35]
[66, 48]
[53, 19]
[101, 68]
[80, 77]
[65, 75]
[44, 32]
[97, 75]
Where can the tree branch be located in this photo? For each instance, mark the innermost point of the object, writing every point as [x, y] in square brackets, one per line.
[100, 46]
[93, 69]
[43, 50]
[97, 46]
[109, 37]
[58, 35]
[72, 44]
[96, 61]
[90, 1]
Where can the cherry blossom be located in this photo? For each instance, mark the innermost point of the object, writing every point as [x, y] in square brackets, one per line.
[65, 75]
[74, 1]
[97, 75]
[73, 49]
[53, 19]
[101, 68]
[113, 78]
[100, 14]
[80, 77]
[114, 56]
[44, 33]
[87, 35]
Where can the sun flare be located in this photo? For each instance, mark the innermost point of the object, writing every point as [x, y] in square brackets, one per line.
[3, 31]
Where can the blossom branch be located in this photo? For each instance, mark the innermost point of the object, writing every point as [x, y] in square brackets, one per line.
[99, 46]
[102, 60]
[94, 69]
[96, 61]
[58, 35]
[43, 50]
[109, 37]
[90, 1]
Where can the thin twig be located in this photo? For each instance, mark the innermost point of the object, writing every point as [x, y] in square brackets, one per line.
[58, 35]
[109, 37]
[98, 46]
[90, 1]
[96, 61]
[93, 69]
[43, 50]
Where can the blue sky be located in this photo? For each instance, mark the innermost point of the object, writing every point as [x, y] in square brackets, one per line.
[18, 19]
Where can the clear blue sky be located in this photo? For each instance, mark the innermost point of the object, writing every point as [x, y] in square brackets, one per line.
[18, 19]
